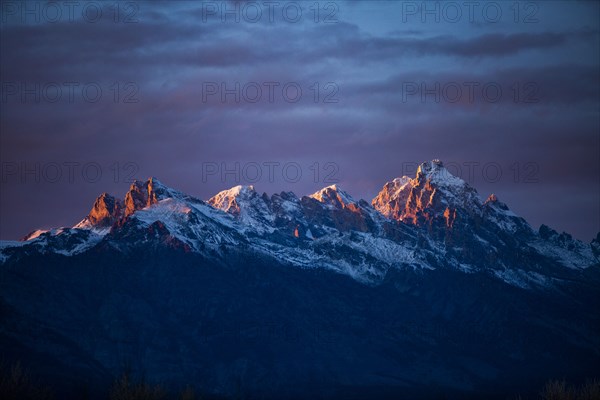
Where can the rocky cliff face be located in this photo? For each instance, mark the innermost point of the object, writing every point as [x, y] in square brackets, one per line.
[105, 212]
[434, 197]
[145, 194]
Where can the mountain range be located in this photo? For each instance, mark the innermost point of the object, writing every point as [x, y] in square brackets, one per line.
[427, 291]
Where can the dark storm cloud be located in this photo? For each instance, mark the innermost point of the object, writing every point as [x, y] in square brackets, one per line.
[482, 46]
[130, 47]
[555, 85]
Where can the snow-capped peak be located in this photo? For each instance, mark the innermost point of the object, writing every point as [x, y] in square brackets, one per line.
[333, 196]
[402, 180]
[247, 206]
[435, 172]
[239, 190]
[158, 191]
[229, 200]
[35, 234]
[431, 192]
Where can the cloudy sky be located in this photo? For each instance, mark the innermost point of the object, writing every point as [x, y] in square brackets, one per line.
[296, 96]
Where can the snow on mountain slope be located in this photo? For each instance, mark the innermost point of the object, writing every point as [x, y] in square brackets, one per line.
[65, 241]
[434, 220]
[435, 172]
[193, 224]
[341, 211]
[500, 215]
[333, 197]
[570, 252]
[451, 210]
[247, 206]
[306, 232]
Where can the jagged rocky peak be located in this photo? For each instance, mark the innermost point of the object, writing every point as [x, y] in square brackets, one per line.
[136, 198]
[493, 201]
[231, 200]
[157, 191]
[35, 234]
[430, 166]
[492, 198]
[399, 182]
[285, 196]
[391, 199]
[333, 196]
[433, 192]
[105, 211]
[434, 172]
[548, 233]
[568, 244]
[334, 207]
[144, 194]
[285, 205]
